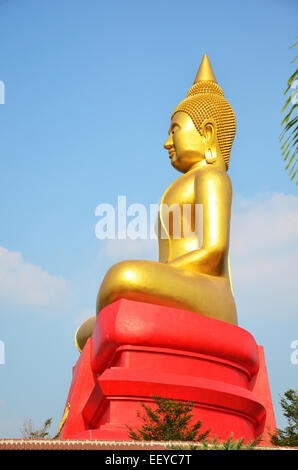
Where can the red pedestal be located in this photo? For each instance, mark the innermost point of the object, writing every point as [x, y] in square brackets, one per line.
[138, 350]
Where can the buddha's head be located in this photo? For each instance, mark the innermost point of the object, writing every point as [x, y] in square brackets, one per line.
[203, 125]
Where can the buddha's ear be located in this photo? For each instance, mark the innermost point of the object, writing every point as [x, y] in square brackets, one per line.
[209, 131]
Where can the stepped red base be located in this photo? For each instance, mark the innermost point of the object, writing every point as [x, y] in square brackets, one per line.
[138, 350]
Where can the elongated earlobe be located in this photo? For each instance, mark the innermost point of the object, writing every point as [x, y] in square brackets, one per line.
[210, 155]
[209, 133]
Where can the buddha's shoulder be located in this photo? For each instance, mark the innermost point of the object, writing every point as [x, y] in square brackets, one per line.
[211, 173]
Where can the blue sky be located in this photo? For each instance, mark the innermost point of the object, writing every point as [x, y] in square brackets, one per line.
[89, 90]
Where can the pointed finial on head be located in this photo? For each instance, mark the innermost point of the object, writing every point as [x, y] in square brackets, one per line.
[205, 71]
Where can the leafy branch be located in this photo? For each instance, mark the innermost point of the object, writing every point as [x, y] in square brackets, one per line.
[289, 134]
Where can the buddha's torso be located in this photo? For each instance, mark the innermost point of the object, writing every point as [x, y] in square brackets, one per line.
[190, 218]
[180, 219]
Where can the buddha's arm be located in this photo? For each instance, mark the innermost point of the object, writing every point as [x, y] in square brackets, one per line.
[212, 189]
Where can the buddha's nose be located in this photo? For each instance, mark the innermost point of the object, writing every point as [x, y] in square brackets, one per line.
[168, 143]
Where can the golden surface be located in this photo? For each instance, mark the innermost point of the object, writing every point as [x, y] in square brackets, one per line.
[64, 418]
[193, 268]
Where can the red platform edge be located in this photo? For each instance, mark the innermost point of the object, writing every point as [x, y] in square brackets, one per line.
[138, 350]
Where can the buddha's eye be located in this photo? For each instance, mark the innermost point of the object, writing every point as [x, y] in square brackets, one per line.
[174, 128]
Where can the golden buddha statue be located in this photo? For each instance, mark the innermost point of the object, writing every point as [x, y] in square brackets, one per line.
[193, 271]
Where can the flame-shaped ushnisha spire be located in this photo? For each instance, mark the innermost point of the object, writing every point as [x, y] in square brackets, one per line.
[205, 71]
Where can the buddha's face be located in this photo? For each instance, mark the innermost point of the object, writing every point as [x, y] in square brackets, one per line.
[185, 144]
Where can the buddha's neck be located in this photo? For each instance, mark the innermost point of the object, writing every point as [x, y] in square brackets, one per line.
[219, 163]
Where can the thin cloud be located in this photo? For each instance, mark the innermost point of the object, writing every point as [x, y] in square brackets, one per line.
[264, 254]
[84, 314]
[26, 285]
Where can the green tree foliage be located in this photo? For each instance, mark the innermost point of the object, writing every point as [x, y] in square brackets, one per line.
[169, 421]
[231, 444]
[289, 436]
[289, 134]
[215, 444]
[28, 431]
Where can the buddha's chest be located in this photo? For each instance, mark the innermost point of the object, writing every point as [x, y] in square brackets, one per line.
[178, 212]
[180, 192]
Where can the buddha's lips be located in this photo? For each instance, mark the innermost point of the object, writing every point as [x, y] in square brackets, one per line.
[171, 153]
